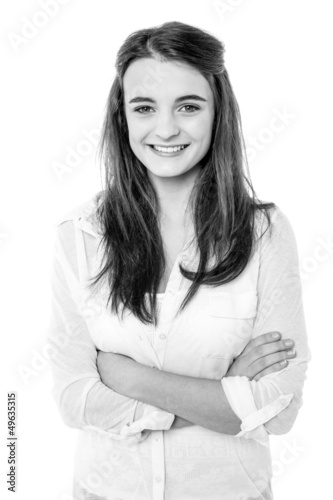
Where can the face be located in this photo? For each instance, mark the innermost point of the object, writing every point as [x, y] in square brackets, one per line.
[169, 108]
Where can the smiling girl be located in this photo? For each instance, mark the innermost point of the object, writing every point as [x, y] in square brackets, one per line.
[176, 290]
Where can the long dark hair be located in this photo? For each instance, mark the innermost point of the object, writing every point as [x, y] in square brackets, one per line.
[223, 202]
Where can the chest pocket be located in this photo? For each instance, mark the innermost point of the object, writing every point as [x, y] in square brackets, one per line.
[231, 317]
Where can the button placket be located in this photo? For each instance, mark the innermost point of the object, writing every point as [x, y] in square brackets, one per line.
[158, 466]
[167, 307]
[146, 345]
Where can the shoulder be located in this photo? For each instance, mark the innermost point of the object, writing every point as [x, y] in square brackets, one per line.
[272, 222]
[280, 225]
[82, 216]
[277, 239]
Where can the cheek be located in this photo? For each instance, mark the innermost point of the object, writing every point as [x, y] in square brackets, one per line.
[135, 130]
[135, 141]
[201, 130]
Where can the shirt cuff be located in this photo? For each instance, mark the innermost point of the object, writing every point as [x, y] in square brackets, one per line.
[239, 394]
[155, 420]
[152, 419]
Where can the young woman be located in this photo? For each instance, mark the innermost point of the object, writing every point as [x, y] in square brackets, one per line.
[175, 291]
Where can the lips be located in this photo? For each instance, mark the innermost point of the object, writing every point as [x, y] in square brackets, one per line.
[169, 154]
[154, 146]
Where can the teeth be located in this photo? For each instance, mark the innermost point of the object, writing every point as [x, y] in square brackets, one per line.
[169, 150]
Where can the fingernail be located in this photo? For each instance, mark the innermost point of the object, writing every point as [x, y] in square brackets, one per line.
[276, 335]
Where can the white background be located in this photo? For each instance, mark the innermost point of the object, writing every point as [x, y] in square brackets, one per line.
[54, 88]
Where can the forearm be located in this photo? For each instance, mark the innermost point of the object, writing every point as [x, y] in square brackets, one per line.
[201, 401]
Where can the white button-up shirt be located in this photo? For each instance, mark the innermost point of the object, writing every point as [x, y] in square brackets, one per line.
[127, 449]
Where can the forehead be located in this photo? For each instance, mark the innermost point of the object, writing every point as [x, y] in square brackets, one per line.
[149, 77]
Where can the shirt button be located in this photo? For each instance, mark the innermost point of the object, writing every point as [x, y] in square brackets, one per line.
[157, 440]
[158, 479]
[162, 336]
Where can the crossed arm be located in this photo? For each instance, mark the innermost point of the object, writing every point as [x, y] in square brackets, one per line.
[192, 400]
[198, 400]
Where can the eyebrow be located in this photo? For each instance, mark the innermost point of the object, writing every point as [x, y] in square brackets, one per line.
[192, 97]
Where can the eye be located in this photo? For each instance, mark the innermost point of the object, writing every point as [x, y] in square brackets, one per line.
[194, 108]
[138, 110]
[142, 108]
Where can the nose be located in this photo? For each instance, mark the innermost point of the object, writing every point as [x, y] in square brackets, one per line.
[166, 126]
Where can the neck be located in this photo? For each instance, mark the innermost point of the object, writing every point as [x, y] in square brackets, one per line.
[173, 194]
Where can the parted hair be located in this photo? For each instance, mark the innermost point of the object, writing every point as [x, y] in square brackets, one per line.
[222, 203]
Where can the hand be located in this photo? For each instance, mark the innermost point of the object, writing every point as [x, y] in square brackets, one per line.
[260, 357]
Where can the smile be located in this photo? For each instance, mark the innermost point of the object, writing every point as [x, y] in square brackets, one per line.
[169, 150]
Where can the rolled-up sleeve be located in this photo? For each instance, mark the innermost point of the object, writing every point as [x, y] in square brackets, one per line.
[271, 404]
[84, 402]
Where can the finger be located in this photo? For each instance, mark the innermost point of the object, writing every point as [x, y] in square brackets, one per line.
[262, 363]
[271, 369]
[267, 349]
[265, 338]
